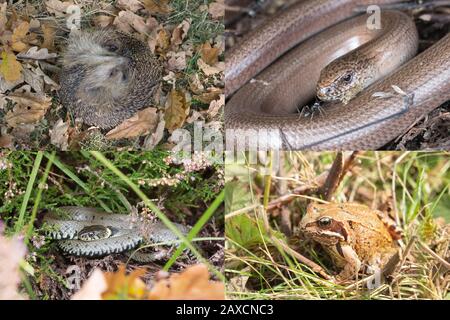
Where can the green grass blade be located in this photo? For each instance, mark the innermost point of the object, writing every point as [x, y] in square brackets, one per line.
[197, 227]
[20, 221]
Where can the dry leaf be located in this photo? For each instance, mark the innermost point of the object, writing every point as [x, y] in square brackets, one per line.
[29, 108]
[142, 123]
[208, 96]
[180, 32]
[210, 70]
[37, 54]
[177, 109]
[215, 106]
[177, 60]
[123, 286]
[127, 20]
[6, 141]
[49, 36]
[217, 9]
[18, 37]
[59, 135]
[10, 67]
[152, 140]
[195, 84]
[162, 40]
[132, 5]
[157, 6]
[12, 252]
[103, 21]
[209, 54]
[58, 8]
[93, 287]
[191, 284]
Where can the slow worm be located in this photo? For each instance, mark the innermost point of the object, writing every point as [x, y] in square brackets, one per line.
[374, 117]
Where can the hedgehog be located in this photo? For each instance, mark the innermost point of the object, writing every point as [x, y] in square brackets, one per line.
[107, 76]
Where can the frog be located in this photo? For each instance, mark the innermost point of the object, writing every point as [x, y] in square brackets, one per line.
[352, 234]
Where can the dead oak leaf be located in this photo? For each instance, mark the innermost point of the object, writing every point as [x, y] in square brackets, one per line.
[209, 54]
[210, 70]
[215, 106]
[58, 8]
[191, 284]
[217, 9]
[127, 21]
[123, 286]
[10, 68]
[103, 21]
[49, 36]
[162, 40]
[132, 5]
[6, 141]
[59, 135]
[18, 37]
[93, 287]
[177, 60]
[180, 32]
[142, 123]
[157, 6]
[152, 140]
[177, 109]
[37, 54]
[29, 108]
[210, 95]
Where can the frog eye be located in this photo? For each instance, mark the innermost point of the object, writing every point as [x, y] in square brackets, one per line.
[324, 222]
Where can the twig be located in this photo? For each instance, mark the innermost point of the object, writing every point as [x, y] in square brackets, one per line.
[314, 266]
[435, 255]
[333, 178]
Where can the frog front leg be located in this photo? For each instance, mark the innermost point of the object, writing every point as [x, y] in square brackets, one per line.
[352, 262]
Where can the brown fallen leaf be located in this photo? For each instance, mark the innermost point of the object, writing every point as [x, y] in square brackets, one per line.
[177, 109]
[18, 37]
[132, 5]
[209, 54]
[217, 9]
[49, 36]
[6, 141]
[210, 95]
[210, 70]
[142, 123]
[10, 67]
[123, 286]
[177, 60]
[191, 284]
[29, 108]
[93, 287]
[152, 140]
[157, 6]
[103, 21]
[215, 106]
[180, 32]
[195, 84]
[59, 135]
[58, 8]
[162, 40]
[127, 21]
[37, 54]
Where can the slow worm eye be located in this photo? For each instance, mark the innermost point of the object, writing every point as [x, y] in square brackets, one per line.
[347, 78]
